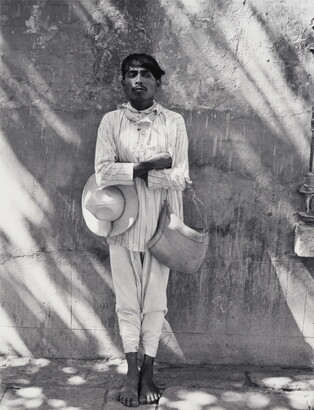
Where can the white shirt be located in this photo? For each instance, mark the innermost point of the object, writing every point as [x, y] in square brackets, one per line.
[127, 136]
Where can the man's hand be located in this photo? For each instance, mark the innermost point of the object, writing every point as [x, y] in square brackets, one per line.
[161, 161]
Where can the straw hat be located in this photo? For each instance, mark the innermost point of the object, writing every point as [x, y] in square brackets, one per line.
[110, 210]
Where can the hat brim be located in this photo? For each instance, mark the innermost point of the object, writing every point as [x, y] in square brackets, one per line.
[127, 219]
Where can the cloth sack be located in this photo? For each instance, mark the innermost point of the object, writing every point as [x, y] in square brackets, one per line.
[176, 245]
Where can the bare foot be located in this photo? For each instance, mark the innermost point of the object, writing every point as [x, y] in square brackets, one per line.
[148, 391]
[128, 395]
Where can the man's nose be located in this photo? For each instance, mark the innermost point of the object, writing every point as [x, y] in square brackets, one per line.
[138, 78]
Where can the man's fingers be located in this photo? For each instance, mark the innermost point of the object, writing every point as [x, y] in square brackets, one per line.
[162, 155]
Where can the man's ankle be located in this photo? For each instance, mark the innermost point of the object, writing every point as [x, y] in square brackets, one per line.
[132, 362]
[147, 368]
[148, 360]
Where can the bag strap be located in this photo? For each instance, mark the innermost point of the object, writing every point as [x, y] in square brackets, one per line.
[197, 202]
[109, 233]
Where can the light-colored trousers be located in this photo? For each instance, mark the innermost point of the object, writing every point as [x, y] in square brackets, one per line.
[140, 284]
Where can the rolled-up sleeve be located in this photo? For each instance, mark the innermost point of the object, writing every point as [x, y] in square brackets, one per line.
[108, 170]
[176, 177]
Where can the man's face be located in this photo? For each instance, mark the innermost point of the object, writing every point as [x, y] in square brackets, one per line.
[140, 85]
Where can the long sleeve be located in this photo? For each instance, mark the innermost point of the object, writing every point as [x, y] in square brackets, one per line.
[121, 144]
[177, 177]
[107, 168]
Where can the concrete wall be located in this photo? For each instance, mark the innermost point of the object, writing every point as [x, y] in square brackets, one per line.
[239, 71]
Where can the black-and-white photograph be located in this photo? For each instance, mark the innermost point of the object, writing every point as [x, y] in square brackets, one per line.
[157, 204]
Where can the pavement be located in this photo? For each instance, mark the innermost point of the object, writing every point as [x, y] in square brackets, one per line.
[28, 383]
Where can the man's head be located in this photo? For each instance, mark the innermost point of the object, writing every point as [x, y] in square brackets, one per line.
[141, 76]
[144, 61]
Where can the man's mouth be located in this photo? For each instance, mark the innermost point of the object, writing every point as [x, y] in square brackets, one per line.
[139, 88]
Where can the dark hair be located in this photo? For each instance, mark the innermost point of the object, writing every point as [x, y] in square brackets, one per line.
[142, 60]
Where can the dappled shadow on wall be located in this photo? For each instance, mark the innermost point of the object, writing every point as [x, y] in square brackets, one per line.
[239, 163]
[56, 289]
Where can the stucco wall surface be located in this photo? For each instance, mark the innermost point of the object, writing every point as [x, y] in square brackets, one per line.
[240, 73]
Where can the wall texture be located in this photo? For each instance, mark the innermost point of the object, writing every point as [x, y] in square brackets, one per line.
[239, 71]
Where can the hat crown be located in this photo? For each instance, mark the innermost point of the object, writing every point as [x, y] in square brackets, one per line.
[106, 204]
[110, 210]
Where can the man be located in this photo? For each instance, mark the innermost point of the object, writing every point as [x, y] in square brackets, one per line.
[143, 144]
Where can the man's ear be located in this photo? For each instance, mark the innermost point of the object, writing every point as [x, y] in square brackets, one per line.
[123, 82]
[158, 82]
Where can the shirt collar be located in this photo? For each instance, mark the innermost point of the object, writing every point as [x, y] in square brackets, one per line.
[157, 108]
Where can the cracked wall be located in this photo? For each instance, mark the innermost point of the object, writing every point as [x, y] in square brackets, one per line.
[240, 73]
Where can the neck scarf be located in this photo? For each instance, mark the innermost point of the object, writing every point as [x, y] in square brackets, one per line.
[142, 116]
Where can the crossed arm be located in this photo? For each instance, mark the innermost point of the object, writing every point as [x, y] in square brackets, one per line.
[158, 162]
[167, 170]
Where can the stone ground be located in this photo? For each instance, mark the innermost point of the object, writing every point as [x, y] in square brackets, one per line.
[93, 385]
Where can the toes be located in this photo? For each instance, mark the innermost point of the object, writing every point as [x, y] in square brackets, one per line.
[128, 402]
[150, 399]
[143, 400]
